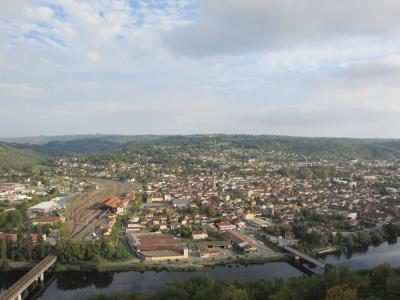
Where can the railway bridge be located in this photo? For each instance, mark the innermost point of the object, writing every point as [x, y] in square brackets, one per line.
[34, 276]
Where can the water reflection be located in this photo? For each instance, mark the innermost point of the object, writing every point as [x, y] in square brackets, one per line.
[79, 285]
[367, 257]
[78, 280]
[9, 278]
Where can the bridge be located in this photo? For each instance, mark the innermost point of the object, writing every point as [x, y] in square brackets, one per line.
[304, 256]
[34, 276]
[284, 244]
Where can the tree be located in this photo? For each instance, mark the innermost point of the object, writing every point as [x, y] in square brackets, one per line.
[233, 293]
[40, 248]
[376, 237]
[15, 217]
[3, 249]
[185, 231]
[391, 231]
[349, 242]
[27, 247]
[364, 238]
[341, 292]
[4, 266]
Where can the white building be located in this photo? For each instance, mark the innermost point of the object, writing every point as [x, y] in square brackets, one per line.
[43, 207]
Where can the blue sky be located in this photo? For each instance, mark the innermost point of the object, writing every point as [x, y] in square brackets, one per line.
[292, 67]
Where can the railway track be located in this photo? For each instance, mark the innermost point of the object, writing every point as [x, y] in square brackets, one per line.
[82, 215]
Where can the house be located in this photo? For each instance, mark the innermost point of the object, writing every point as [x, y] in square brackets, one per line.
[224, 226]
[199, 235]
[33, 237]
[115, 204]
[155, 197]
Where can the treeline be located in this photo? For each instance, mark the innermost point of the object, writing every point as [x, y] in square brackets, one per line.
[74, 252]
[362, 238]
[23, 249]
[310, 239]
[69, 252]
[382, 282]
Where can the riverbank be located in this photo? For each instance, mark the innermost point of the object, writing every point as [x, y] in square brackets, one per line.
[80, 284]
[327, 250]
[181, 267]
[120, 266]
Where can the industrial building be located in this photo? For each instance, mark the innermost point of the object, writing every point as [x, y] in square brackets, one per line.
[241, 242]
[157, 247]
[43, 207]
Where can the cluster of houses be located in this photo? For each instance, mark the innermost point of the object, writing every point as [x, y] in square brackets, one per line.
[229, 203]
[14, 193]
[115, 206]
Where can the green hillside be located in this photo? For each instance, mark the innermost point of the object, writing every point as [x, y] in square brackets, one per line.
[22, 155]
[15, 157]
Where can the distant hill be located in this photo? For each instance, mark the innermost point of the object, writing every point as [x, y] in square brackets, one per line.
[41, 140]
[79, 146]
[14, 157]
[89, 144]
[341, 148]
[344, 148]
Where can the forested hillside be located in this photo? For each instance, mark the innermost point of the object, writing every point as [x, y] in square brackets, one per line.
[15, 157]
[120, 147]
[315, 147]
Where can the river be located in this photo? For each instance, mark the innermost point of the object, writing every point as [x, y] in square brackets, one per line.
[79, 285]
[368, 257]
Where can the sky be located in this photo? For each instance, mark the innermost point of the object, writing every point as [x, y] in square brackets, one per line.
[282, 67]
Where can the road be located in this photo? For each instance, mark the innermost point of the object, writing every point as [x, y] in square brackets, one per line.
[262, 249]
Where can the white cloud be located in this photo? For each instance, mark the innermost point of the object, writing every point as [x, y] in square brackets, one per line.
[94, 56]
[18, 90]
[243, 26]
[286, 67]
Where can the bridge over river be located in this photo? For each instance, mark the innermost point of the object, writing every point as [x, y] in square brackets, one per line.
[34, 276]
[285, 245]
[304, 256]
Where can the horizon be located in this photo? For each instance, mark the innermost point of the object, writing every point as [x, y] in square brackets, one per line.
[133, 67]
[99, 135]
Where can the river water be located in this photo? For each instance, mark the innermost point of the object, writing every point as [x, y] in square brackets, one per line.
[368, 257]
[79, 285]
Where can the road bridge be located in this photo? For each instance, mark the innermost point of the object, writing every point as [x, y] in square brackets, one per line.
[285, 245]
[304, 256]
[34, 276]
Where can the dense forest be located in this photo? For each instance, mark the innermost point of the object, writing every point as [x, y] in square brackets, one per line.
[382, 282]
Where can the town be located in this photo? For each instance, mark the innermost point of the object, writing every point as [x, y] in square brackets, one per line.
[166, 204]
